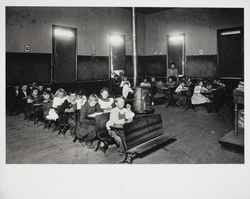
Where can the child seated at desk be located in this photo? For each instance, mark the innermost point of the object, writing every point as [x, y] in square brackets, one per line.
[80, 99]
[119, 116]
[188, 82]
[85, 128]
[66, 113]
[170, 83]
[198, 98]
[181, 94]
[47, 103]
[217, 84]
[33, 107]
[145, 83]
[126, 88]
[106, 102]
[58, 100]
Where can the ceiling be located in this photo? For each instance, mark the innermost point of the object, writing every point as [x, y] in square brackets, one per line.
[150, 10]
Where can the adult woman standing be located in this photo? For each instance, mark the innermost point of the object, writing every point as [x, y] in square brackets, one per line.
[173, 73]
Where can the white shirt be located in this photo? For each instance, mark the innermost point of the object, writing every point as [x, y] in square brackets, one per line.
[180, 88]
[114, 116]
[124, 83]
[57, 101]
[106, 104]
[143, 84]
[80, 102]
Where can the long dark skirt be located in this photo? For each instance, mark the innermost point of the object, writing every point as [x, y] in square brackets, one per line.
[181, 99]
[86, 130]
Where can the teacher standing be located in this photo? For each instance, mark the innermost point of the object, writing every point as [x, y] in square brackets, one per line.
[173, 73]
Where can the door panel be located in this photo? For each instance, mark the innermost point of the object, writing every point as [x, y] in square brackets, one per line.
[117, 52]
[176, 51]
[64, 54]
[231, 53]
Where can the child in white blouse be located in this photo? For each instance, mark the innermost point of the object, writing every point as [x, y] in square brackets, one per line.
[126, 87]
[181, 94]
[58, 100]
[80, 99]
[119, 116]
[106, 103]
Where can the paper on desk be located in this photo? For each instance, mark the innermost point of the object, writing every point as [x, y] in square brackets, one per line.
[95, 114]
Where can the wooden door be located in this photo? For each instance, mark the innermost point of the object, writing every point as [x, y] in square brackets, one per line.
[176, 52]
[231, 53]
[64, 54]
[117, 54]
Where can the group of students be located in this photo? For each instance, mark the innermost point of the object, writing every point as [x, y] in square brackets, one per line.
[70, 112]
[187, 94]
[24, 96]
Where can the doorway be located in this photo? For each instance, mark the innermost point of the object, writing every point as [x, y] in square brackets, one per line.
[230, 54]
[117, 53]
[176, 52]
[64, 54]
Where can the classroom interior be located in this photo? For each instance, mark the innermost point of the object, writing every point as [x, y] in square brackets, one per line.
[90, 48]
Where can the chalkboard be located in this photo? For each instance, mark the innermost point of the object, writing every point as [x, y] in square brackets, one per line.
[129, 71]
[92, 68]
[155, 65]
[201, 66]
[27, 67]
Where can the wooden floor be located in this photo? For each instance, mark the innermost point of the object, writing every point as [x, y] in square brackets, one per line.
[198, 135]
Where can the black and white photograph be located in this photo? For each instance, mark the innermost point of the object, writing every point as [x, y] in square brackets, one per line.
[98, 88]
[124, 85]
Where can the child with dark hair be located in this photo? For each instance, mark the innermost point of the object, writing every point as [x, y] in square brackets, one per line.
[58, 100]
[106, 102]
[115, 84]
[66, 113]
[47, 102]
[181, 94]
[80, 99]
[153, 86]
[16, 102]
[40, 90]
[126, 88]
[23, 96]
[34, 105]
[119, 116]
[85, 128]
[170, 83]
[145, 83]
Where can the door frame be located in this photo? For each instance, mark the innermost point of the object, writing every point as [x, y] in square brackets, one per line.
[110, 50]
[52, 80]
[219, 31]
[183, 52]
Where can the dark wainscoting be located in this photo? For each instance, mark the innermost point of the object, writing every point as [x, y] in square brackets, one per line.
[129, 66]
[201, 66]
[147, 66]
[27, 67]
[92, 68]
[155, 65]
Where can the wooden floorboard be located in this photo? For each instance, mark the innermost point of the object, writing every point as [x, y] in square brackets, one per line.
[197, 133]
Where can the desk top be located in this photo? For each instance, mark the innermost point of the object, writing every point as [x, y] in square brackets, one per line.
[95, 114]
